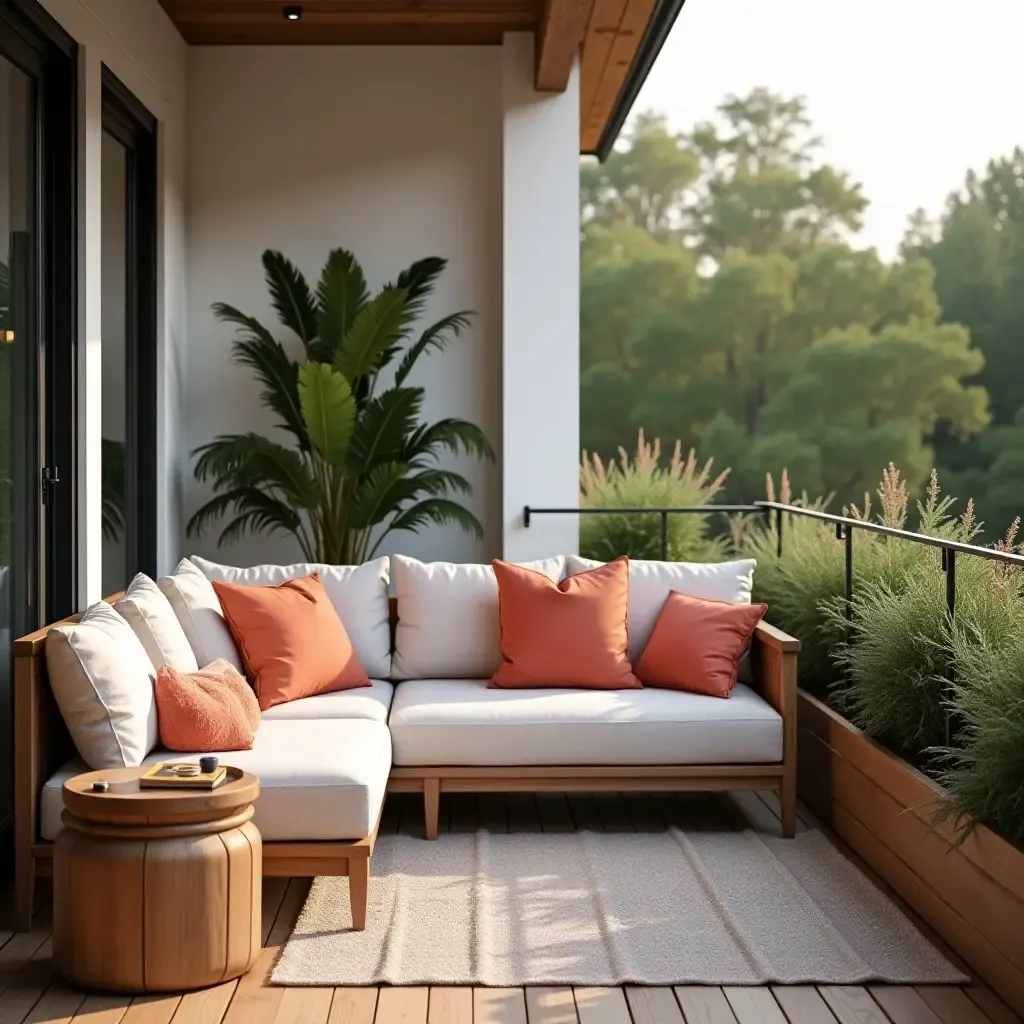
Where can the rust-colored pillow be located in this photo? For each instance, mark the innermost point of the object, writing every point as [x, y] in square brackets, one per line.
[291, 640]
[697, 645]
[571, 633]
[212, 709]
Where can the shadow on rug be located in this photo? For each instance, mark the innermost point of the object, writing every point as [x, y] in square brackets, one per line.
[672, 908]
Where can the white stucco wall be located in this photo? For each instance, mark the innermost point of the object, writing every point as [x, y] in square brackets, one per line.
[392, 152]
[138, 43]
[541, 307]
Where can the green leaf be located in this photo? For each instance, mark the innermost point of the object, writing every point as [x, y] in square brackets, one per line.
[290, 294]
[381, 322]
[328, 409]
[237, 460]
[341, 294]
[452, 435]
[418, 282]
[380, 494]
[437, 336]
[257, 349]
[383, 428]
[440, 512]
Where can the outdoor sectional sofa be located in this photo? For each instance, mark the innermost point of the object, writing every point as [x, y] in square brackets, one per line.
[429, 723]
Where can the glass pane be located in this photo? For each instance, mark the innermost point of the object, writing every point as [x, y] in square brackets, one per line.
[116, 570]
[16, 223]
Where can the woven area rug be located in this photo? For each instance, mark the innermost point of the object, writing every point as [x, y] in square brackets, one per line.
[714, 908]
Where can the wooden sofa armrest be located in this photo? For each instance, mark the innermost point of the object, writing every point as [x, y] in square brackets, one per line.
[774, 656]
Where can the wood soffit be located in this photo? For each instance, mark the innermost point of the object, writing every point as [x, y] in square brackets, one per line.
[607, 34]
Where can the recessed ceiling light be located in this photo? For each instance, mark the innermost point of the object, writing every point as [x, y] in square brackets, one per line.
[292, 13]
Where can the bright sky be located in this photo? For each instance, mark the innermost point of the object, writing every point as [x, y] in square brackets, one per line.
[907, 94]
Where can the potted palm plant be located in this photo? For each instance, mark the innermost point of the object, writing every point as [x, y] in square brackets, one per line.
[361, 463]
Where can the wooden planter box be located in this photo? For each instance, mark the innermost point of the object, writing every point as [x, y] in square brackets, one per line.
[971, 894]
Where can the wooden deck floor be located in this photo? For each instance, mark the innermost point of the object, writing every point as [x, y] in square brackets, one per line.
[30, 993]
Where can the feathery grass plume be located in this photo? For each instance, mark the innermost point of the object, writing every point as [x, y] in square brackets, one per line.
[643, 481]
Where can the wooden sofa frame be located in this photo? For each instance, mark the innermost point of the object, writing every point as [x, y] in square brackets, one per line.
[42, 744]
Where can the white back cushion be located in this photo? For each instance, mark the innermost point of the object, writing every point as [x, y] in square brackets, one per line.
[102, 679]
[651, 582]
[198, 609]
[359, 594]
[448, 617]
[145, 608]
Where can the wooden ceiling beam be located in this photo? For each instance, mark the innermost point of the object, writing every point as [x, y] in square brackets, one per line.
[559, 37]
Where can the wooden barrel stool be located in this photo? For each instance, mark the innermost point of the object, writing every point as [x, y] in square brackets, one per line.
[156, 890]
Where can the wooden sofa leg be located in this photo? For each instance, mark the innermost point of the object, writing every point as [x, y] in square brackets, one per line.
[431, 806]
[787, 799]
[359, 890]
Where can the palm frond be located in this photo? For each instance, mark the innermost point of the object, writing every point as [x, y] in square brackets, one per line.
[379, 324]
[261, 352]
[383, 428]
[290, 295]
[254, 511]
[380, 494]
[452, 435]
[439, 482]
[437, 336]
[328, 410]
[438, 511]
[253, 460]
[341, 295]
[418, 282]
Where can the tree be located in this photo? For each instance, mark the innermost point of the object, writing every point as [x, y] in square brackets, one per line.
[977, 249]
[729, 310]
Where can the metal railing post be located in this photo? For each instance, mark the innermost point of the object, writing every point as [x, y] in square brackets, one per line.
[664, 535]
[778, 532]
[949, 568]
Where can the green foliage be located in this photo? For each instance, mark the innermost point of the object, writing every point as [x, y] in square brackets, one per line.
[640, 481]
[362, 463]
[977, 249]
[983, 774]
[723, 305]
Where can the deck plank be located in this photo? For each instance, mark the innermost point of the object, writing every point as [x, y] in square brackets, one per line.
[205, 1006]
[105, 1008]
[499, 1006]
[852, 1004]
[952, 1005]
[802, 1004]
[353, 1006]
[402, 1005]
[754, 1005]
[601, 1006]
[304, 1006]
[58, 1005]
[995, 1009]
[704, 1004]
[903, 1004]
[450, 1005]
[653, 1005]
[152, 1009]
[550, 1005]
[554, 812]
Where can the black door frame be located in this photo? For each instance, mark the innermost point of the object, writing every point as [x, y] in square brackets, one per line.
[34, 42]
[134, 127]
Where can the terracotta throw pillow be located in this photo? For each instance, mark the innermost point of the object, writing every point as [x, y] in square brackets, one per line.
[571, 633]
[291, 640]
[697, 645]
[212, 709]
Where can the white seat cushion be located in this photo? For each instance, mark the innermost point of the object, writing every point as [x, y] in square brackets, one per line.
[461, 722]
[372, 702]
[448, 617]
[651, 582]
[318, 780]
[359, 594]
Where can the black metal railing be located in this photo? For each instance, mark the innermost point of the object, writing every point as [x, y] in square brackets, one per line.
[845, 527]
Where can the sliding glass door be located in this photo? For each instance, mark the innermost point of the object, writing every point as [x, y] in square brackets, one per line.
[129, 337]
[37, 343]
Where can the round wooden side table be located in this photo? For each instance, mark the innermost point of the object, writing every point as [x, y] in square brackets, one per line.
[156, 890]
